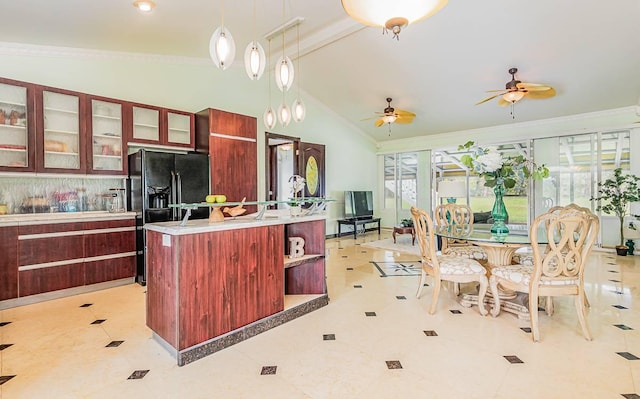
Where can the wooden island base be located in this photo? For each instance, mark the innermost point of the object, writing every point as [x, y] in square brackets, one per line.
[210, 286]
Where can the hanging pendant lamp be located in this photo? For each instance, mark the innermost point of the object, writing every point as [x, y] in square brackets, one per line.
[297, 108]
[254, 58]
[269, 117]
[222, 48]
[284, 113]
[284, 66]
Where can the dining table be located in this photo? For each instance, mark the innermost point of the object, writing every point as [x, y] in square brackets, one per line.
[500, 249]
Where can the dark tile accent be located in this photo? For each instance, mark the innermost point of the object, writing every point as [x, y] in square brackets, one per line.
[5, 378]
[630, 395]
[4, 346]
[526, 329]
[619, 307]
[138, 375]
[430, 333]
[114, 344]
[340, 248]
[363, 252]
[455, 311]
[617, 292]
[370, 314]
[349, 268]
[328, 337]
[357, 286]
[615, 281]
[269, 370]
[513, 359]
[611, 263]
[99, 321]
[344, 256]
[4, 323]
[628, 356]
[86, 305]
[623, 327]
[401, 297]
[613, 271]
[393, 364]
[243, 333]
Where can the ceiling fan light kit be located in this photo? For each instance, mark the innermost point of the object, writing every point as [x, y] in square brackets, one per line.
[391, 15]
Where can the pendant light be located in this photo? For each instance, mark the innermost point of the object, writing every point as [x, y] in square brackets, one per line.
[284, 113]
[297, 108]
[284, 66]
[222, 48]
[269, 115]
[254, 58]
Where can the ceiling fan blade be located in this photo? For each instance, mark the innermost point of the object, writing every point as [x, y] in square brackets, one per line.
[533, 86]
[537, 95]
[504, 103]
[404, 120]
[368, 119]
[401, 112]
[379, 122]
[490, 98]
[495, 91]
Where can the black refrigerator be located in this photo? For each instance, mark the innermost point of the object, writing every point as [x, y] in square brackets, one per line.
[159, 179]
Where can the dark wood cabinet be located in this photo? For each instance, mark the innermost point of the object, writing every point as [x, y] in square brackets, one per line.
[8, 262]
[231, 142]
[17, 126]
[306, 275]
[56, 256]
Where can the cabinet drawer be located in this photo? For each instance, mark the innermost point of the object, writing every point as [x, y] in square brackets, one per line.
[47, 279]
[97, 244]
[110, 269]
[50, 228]
[50, 249]
[109, 224]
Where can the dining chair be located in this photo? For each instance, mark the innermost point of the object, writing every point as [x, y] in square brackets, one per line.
[558, 265]
[457, 214]
[457, 269]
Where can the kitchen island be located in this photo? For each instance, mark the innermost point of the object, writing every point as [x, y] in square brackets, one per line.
[211, 285]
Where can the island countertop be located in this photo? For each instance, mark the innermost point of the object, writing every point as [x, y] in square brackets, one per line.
[271, 218]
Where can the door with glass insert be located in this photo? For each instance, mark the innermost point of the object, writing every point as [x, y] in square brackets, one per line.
[59, 133]
[106, 137]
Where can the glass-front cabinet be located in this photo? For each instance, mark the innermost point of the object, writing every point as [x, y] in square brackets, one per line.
[146, 124]
[106, 137]
[17, 144]
[60, 136]
[180, 128]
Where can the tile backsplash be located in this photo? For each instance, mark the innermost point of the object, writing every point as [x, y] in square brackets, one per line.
[56, 194]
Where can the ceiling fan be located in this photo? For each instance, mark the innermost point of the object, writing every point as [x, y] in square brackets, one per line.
[391, 115]
[516, 90]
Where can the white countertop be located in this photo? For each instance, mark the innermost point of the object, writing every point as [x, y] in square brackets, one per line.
[24, 219]
[271, 218]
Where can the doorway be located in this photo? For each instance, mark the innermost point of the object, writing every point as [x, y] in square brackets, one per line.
[281, 161]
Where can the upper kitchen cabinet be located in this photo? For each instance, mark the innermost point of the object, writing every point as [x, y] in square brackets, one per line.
[106, 126]
[17, 134]
[60, 137]
[180, 128]
[161, 128]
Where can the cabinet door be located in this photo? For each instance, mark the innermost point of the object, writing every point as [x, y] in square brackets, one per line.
[106, 137]
[180, 128]
[8, 262]
[17, 143]
[60, 135]
[146, 125]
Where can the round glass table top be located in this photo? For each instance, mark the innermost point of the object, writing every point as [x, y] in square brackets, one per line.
[482, 233]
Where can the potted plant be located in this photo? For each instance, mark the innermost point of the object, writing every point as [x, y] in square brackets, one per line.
[406, 223]
[297, 185]
[614, 196]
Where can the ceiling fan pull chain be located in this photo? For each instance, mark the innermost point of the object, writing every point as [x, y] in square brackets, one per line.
[513, 105]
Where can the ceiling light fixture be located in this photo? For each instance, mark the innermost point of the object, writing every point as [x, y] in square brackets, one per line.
[298, 109]
[284, 66]
[513, 96]
[144, 5]
[269, 116]
[391, 15]
[222, 48]
[254, 58]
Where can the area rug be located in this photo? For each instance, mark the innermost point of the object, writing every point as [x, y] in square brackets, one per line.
[403, 244]
[400, 268]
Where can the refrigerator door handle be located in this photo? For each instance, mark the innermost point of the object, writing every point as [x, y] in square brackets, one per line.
[179, 182]
[173, 195]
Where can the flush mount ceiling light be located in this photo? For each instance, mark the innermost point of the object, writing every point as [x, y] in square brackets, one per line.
[222, 48]
[391, 15]
[254, 58]
[144, 5]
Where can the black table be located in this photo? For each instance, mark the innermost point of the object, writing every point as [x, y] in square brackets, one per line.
[355, 223]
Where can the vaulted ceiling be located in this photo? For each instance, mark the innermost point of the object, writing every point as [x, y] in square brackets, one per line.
[588, 50]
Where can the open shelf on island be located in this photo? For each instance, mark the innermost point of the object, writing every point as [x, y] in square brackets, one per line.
[291, 262]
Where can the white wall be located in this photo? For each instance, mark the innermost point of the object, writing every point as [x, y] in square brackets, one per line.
[191, 84]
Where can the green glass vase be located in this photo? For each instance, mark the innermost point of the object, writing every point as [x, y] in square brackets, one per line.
[499, 212]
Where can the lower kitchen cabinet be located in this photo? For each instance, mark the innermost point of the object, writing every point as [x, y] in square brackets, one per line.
[8, 262]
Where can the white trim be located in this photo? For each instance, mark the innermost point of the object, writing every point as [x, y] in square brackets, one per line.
[75, 261]
[75, 233]
[226, 136]
[182, 150]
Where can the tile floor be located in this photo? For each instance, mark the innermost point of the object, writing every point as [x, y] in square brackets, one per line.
[373, 340]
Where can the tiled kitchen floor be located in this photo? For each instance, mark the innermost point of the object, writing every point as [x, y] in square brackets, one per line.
[373, 340]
